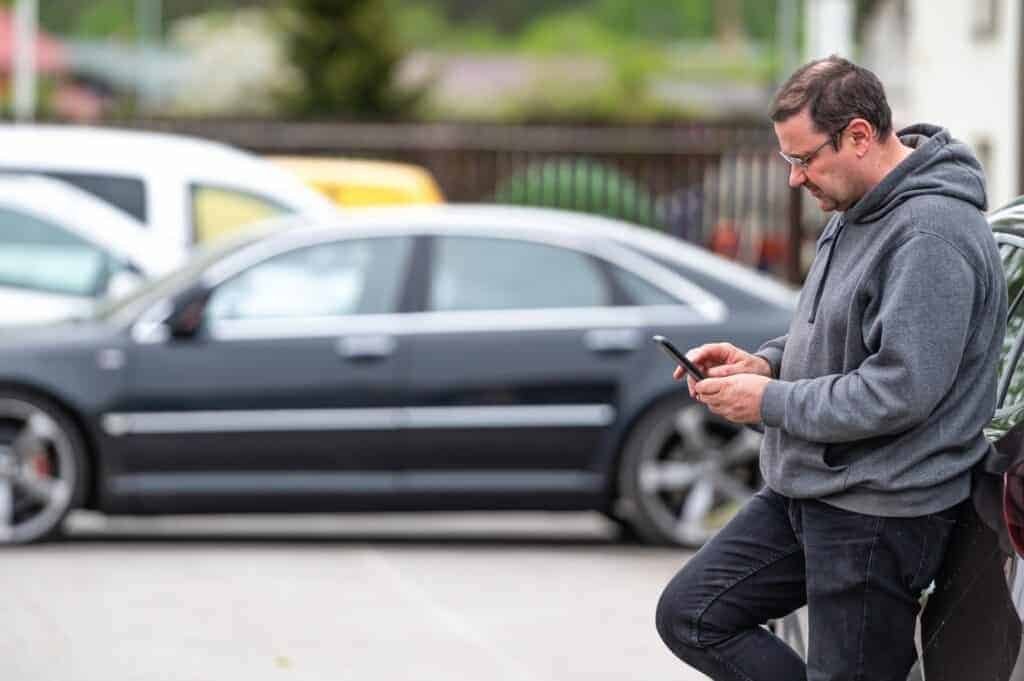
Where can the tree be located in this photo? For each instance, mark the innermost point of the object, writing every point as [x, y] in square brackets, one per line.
[346, 55]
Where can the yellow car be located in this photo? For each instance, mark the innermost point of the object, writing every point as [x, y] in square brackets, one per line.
[352, 182]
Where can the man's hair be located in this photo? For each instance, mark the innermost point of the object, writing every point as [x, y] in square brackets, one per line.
[834, 91]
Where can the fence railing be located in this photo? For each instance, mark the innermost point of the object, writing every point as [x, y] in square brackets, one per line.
[721, 186]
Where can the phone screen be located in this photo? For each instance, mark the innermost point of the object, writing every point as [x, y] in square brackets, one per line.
[679, 357]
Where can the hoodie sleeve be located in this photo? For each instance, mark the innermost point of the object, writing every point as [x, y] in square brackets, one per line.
[921, 328]
[771, 352]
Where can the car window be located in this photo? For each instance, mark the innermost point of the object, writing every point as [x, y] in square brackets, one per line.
[124, 192]
[475, 273]
[40, 255]
[217, 211]
[354, 276]
[639, 291]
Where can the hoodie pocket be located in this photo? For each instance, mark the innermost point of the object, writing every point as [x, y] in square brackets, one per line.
[846, 454]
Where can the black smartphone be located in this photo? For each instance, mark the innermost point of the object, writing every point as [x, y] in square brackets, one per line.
[679, 357]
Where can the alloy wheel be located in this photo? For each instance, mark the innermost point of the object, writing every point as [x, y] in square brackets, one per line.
[39, 471]
[687, 473]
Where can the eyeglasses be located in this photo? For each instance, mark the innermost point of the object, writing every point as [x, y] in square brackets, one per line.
[804, 161]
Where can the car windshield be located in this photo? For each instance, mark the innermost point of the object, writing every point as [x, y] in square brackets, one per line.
[175, 280]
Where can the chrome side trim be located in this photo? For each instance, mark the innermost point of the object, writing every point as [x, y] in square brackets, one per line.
[362, 482]
[291, 420]
[555, 415]
[252, 421]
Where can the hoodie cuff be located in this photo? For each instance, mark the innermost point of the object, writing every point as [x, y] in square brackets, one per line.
[773, 403]
[774, 358]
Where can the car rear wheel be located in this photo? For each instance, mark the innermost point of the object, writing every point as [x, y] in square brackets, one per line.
[684, 472]
[42, 467]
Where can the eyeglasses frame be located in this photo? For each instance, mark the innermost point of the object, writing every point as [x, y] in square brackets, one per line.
[803, 162]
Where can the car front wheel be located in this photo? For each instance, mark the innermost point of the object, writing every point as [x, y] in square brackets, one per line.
[42, 467]
[684, 472]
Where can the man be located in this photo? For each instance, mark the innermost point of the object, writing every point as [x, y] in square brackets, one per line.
[873, 403]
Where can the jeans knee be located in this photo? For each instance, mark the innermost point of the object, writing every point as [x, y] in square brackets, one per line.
[677, 619]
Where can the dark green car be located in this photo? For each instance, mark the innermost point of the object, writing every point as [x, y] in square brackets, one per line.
[971, 626]
[971, 622]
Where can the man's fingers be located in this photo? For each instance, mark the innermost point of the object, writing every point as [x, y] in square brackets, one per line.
[723, 370]
[710, 354]
[678, 374]
[709, 386]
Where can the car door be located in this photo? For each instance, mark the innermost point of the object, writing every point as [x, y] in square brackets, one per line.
[518, 366]
[288, 392]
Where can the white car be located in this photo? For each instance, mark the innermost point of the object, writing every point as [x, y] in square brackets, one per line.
[62, 249]
[187, 190]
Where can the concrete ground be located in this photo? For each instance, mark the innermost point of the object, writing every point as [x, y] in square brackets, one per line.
[529, 597]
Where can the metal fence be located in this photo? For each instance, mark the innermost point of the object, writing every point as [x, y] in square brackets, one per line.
[720, 186]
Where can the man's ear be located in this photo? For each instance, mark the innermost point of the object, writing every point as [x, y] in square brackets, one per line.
[861, 134]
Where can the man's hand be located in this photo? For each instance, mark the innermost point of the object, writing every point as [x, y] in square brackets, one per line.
[737, 398]
[717, 360]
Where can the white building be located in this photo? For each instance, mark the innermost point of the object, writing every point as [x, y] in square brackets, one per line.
[955, 63]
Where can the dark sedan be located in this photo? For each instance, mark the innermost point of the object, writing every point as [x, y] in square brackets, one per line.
[443, 358]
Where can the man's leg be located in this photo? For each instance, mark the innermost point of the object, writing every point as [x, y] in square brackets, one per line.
[865, 575]
[710, 614]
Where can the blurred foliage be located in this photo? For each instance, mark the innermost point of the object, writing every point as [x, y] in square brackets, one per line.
[650, 19]
[674, 34]
[105, 19]
[237, 64]
[665, 19]
[638, 44]
[92, 19]
[579, 185]
[653, 19]
[345, 55]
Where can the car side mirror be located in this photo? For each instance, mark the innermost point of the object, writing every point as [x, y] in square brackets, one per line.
[187, 318]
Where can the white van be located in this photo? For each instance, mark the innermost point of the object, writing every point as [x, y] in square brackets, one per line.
[187, 190]
[62, 249]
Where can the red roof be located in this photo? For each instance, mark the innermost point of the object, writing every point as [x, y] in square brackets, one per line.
[50, 57]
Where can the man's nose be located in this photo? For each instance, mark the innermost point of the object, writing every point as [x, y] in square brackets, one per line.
[796, 176]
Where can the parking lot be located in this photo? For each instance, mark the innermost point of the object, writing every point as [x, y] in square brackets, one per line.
[531, 597]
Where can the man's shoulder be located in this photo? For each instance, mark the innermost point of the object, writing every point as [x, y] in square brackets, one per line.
[948, 218]
[941, 210]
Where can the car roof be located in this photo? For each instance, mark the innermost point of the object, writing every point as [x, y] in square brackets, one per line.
[360, 181]
[123, 152]
[110, 146]
[569, 224]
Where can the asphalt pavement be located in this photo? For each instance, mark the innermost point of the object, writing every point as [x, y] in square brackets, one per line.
[479, 597]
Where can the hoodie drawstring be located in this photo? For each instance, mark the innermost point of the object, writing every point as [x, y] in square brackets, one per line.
[828, 265]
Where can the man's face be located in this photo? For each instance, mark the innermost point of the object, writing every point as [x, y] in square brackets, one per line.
[827, 174]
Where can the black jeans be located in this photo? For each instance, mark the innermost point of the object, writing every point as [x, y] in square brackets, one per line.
[860, 576]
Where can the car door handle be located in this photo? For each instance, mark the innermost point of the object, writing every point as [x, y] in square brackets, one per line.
[612, 340]
[365, 347]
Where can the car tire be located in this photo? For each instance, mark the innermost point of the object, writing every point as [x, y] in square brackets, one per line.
[43, 467]
[683, 473]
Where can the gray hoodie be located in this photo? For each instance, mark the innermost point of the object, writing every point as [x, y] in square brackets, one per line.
[888, 372]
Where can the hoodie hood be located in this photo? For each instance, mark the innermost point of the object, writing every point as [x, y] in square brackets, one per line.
[939, 165]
